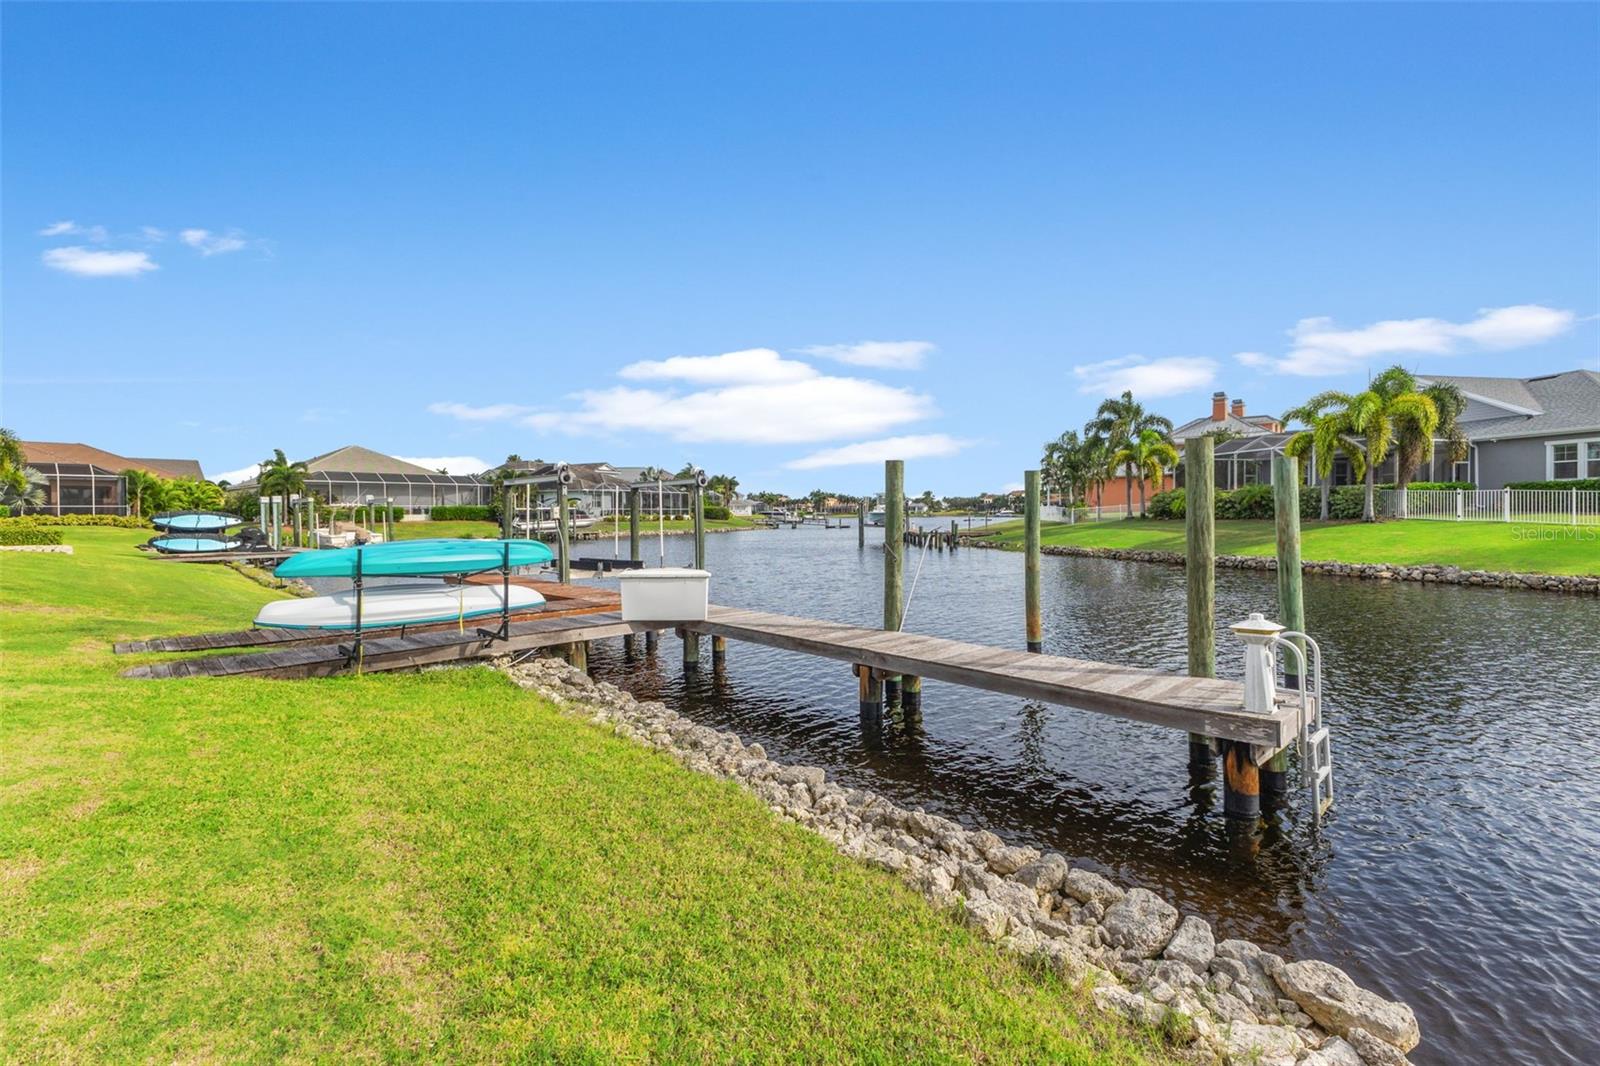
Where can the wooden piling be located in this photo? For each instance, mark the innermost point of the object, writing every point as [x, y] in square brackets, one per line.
[894, 555]
[578, 655]
[719, 652]
[861, 524]
[691, 650]
[870, 687]
[699, 527]
[652, 640]
[1200, 575]
[635, 545]
[911, 697]
[564, 538]
[955, 534]
[1033, 616]
[1291, 603]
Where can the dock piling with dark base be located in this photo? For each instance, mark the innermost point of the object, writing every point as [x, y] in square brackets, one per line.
[1291, 605]
[1200, 577]
[1033, 615]
[894, 559]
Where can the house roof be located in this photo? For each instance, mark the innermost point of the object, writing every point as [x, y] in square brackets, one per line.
[41, 452]
[1568, 402]
[358, 460]
[1247, 426]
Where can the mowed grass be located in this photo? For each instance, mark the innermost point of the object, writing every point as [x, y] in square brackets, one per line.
[432, 866]
[418, 530]
[1530, 548]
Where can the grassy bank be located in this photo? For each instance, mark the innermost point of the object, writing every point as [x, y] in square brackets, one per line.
[417, 530]
[1537, 549]
[436, 866]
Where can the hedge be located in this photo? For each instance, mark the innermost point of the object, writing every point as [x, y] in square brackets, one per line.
[117, 520]
[461, 513]
[1249, 502]
[716, 512]
[22, 531]
[1587, 484]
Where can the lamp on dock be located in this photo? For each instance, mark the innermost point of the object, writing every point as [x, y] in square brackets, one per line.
[1260, 683]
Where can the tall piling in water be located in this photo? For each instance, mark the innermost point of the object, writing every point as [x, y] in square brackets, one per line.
[861, 524]
[564, 543]
[1030, 541]
[1291, 603]
[1200, 576]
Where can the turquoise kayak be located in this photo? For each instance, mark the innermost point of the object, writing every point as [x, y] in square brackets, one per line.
[415, 558]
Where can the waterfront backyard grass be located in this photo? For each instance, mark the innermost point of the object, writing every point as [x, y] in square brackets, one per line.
[1538, 549]
[433, 866]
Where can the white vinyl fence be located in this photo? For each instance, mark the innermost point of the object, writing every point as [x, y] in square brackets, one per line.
[1578, 507]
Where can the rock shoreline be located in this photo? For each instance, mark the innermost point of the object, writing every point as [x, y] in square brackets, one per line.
[1428, 572]
[1227, 1001]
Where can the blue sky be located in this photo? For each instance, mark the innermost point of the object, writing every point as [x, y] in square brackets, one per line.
[777, 241]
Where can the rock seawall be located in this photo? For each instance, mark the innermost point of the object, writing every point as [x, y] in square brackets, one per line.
[1441, 575]
[1226, 1001]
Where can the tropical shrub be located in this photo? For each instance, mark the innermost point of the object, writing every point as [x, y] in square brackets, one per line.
[1169, 505]
[117, 520]
[1347, 501]
[716, 512]
[1249, 502]
[21, 531]
[1588, 484]
[460, 513]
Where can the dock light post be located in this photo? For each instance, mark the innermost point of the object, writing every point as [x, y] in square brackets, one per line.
[1241, 778]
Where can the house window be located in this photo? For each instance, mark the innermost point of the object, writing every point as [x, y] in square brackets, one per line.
[1594, 457]
[1564, 461]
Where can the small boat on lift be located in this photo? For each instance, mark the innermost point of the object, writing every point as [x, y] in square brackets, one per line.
[195, 521]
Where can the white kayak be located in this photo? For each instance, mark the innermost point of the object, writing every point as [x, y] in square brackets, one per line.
[395, 605]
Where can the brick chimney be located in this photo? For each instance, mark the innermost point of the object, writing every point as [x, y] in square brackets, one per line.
[1238, 409]
[1219, 406]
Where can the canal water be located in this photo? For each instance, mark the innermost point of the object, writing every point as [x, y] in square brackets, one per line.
[1460, 871]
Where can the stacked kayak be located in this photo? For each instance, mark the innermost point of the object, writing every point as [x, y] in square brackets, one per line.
[195, 522]
[183, 544]
[397, 605]
[407, 603]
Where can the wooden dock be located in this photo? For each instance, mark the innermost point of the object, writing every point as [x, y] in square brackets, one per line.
[1197, 705]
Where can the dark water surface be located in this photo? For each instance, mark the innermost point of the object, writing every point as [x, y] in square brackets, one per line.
[1460, 871]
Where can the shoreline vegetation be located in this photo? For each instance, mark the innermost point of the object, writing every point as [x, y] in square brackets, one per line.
[1563, 551]
[458, 528]
[436, 865]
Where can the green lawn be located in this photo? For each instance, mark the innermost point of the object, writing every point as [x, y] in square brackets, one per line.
[428, 867]
[1544, 549]
[416, 530]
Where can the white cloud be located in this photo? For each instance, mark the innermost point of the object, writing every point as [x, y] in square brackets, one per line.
[920, 446]
[233, 477]
[87, 263]
[1320, 348]
[69, 228]
[890, 355]
[749, 367]
[1146, 377]
[452, 464]
[812, 409]
[208, 244]
[153, 234]
[493, 412]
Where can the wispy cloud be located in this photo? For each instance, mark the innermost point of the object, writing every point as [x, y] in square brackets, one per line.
[69, 228]
[208, 243]
[887, 355]
[233, 477]
[751, 366]
[93, 263]
[1145, 377]
[1318, 348]
[918, 446]
[494, 412]
[450, 464]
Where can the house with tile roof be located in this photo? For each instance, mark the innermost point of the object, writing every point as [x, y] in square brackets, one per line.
[82, 479]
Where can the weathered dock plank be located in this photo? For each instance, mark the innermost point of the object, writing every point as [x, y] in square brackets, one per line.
[1196, 704]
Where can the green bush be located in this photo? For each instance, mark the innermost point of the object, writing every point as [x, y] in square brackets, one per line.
[1588, 484]
[1252, 502]
[716, 512]
[117, 520]
[460, 513]
[5, 510]
[1436, 485]
[1346, 501]
[1168, 505]
[21, 531]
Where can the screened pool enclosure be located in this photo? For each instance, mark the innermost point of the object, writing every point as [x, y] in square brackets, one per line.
[414, 493]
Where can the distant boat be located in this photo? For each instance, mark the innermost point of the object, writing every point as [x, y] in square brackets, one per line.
[875, 518]
[195, 521]
[547, 522]
[416, 558]
[396, 605]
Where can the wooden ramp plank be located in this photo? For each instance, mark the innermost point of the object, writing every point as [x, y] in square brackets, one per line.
[1199, 705]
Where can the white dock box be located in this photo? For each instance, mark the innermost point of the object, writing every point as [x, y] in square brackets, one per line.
[667, 594]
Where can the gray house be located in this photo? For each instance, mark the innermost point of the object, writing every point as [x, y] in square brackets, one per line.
[1528, 429]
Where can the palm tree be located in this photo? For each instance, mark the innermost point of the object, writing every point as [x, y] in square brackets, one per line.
[1149, 454]
[21, 487]
[1119, 421]
[1328, 432]
[279, 477]
[11, 457]
[1413, 447]
[143, 487]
